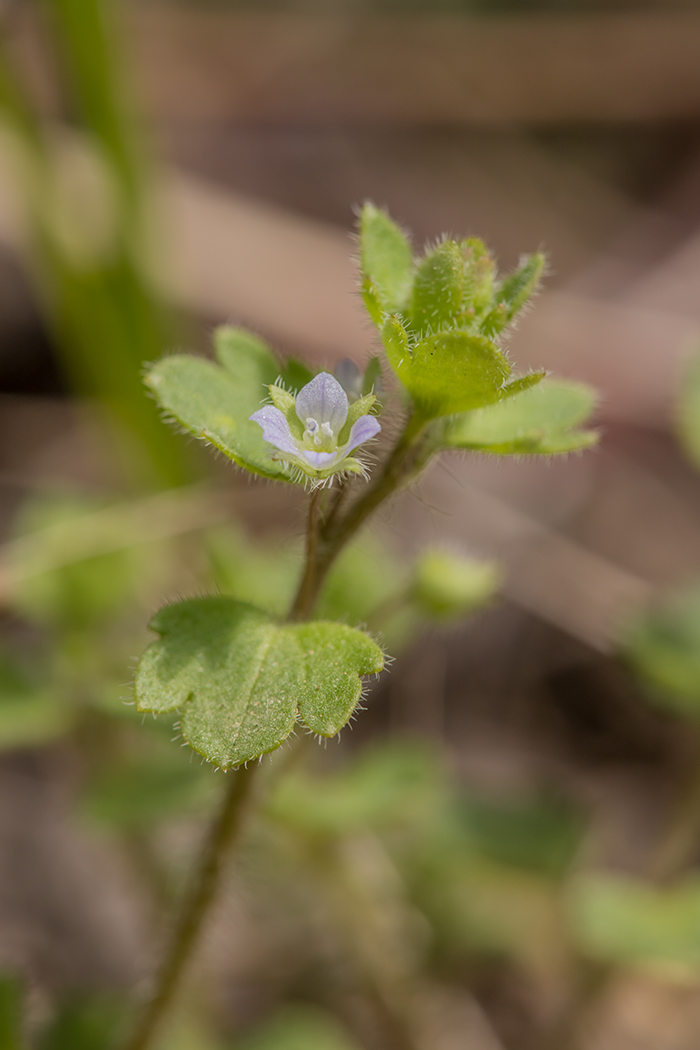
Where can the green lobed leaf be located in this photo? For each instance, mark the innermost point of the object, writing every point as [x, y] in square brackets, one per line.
[386, 261]
[622, 921]
[543, 420]
[214, 401]
[438, 288]
[514, 292]
[242, 681]
[453, 372]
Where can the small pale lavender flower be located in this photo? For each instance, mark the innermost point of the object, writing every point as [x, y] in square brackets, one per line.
[317, 430]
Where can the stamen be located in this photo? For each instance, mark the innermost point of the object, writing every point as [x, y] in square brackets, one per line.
[311, 425]
[327, 429]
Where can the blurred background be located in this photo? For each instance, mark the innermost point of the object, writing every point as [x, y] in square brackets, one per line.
[169, 166]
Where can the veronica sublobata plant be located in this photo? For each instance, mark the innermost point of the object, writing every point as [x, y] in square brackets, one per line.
[243, 682]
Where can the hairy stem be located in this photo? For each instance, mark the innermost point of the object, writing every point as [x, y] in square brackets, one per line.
[308, 588]
[204, 886]
[332, 534]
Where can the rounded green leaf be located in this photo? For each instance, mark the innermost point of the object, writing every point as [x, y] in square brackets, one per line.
[453, 372]
[335, 657]
[543, 420]
[241, 680]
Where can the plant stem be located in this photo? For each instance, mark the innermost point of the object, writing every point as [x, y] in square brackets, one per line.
[308, 588]
[330, 536]
[202, 891]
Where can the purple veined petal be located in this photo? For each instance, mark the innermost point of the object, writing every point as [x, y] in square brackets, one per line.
[362, 430]
[275, 429]
[324, 400]
[320, 459]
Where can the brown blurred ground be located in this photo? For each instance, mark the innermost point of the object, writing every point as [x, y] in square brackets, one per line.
[579, 134]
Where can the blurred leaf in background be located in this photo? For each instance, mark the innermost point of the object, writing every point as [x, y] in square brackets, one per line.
[630, 923]
[663, 648]
[298, 1028]
[31, 712]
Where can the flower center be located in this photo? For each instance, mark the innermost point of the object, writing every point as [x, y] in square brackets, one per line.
[319, 436]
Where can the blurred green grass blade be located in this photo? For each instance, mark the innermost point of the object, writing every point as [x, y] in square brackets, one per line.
[105, 317]
[89, 42]
[11, 1037]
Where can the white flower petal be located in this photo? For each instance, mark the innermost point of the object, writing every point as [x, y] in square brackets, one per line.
[320, 460]
[324, 400]
[362, 430]
[275, 429]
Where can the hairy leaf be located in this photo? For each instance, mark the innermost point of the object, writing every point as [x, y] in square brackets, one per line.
[386, 261]
[543, 420]
[438, 288]
[214, 401]
[453, 372]
[513, 293]
[241, 681]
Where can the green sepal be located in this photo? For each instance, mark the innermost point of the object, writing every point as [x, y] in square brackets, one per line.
[241, 681]
[353, 466]
[386, 261]
[362, 407]
[213, 402]
[282, 399]
[287, 405]
[438, 289]
[542, 420]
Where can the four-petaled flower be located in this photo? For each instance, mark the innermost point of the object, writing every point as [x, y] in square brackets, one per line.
[316, 431]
